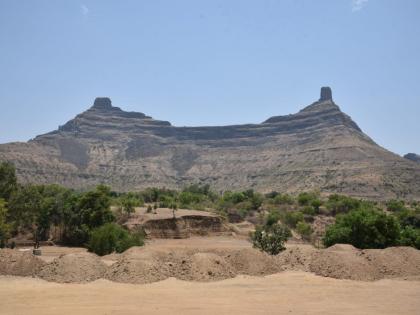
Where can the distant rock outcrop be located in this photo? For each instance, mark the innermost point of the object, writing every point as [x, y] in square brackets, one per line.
[326, 94]
[412, 157]
[319, 147]
[102, 103]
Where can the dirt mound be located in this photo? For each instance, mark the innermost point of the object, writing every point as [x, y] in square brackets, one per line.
[295, 258]
[342, 248]
[139, 265]
[146, 264]
[343, 264]
[250, 261]
[142, 265]
[394, 262]
[17, 263]
[77, 267]
[208, 267]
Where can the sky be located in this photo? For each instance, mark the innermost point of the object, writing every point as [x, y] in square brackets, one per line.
[215, 62]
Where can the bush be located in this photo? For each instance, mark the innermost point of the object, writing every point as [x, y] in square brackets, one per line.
[272, 218]
[292, 218]
[410, 237]
[283, 199]
[304, 229]
[364, 228]
[316, 204]
[308, 210]
[128, 202]
[342, 204]
[271, 239]
[395, 205]
[111, 237]
[306, 198]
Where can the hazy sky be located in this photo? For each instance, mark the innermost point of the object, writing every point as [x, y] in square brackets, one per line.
[212, 62]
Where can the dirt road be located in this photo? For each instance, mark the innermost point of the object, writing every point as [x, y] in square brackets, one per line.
[285, 293]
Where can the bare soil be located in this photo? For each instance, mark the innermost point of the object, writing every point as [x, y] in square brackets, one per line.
[211, 259]
[209, 275]
[284, 293]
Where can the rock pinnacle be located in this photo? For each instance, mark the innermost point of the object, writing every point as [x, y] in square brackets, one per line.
[102, 103]
[326, 94]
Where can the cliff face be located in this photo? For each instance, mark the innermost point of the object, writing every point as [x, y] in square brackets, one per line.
[412, 157]
[320, 147]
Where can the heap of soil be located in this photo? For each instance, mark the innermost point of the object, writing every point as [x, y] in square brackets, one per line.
[394, 262]
[249, 261]
[146, 265]
[17, 263]
[138, 265]
[296, 258]
[77, 267]
[342, 263]
[207, 267]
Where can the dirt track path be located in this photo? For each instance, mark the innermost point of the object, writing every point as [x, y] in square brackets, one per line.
[285, 293]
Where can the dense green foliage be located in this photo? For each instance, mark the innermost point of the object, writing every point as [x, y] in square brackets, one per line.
[110, 238]
[4, 227]
[368, 228]
[8, 181]
[70, 217]
[271, 238]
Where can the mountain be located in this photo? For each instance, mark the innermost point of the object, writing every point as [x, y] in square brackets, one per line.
[319, 147]
[412, 157]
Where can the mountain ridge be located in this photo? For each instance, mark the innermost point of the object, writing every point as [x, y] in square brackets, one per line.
[319, 147]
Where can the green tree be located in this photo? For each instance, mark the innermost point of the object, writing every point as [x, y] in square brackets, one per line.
[24, 207]
[364, 228]
[4, 227]
[128, 203]
[95, 208]
[113, 238]
[8, 181]
[85, 212]
[271, 239]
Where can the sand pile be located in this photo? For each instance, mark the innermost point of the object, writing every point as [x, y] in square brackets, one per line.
[295, 258]
[207, 267]
[78, 267]
[146, 265]
[138, 265]
[342, 263]
[394, 262]
[249, 261]
[17, 263]
[142, 265]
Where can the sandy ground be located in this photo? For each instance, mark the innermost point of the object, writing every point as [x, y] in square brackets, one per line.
[285, 293]
[289, 292]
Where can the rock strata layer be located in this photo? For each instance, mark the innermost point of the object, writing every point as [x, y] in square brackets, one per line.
[319, 147]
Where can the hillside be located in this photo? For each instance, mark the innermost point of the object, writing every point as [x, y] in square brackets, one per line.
[319, 147]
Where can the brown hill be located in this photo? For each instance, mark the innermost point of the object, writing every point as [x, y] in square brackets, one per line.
[319, 147]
